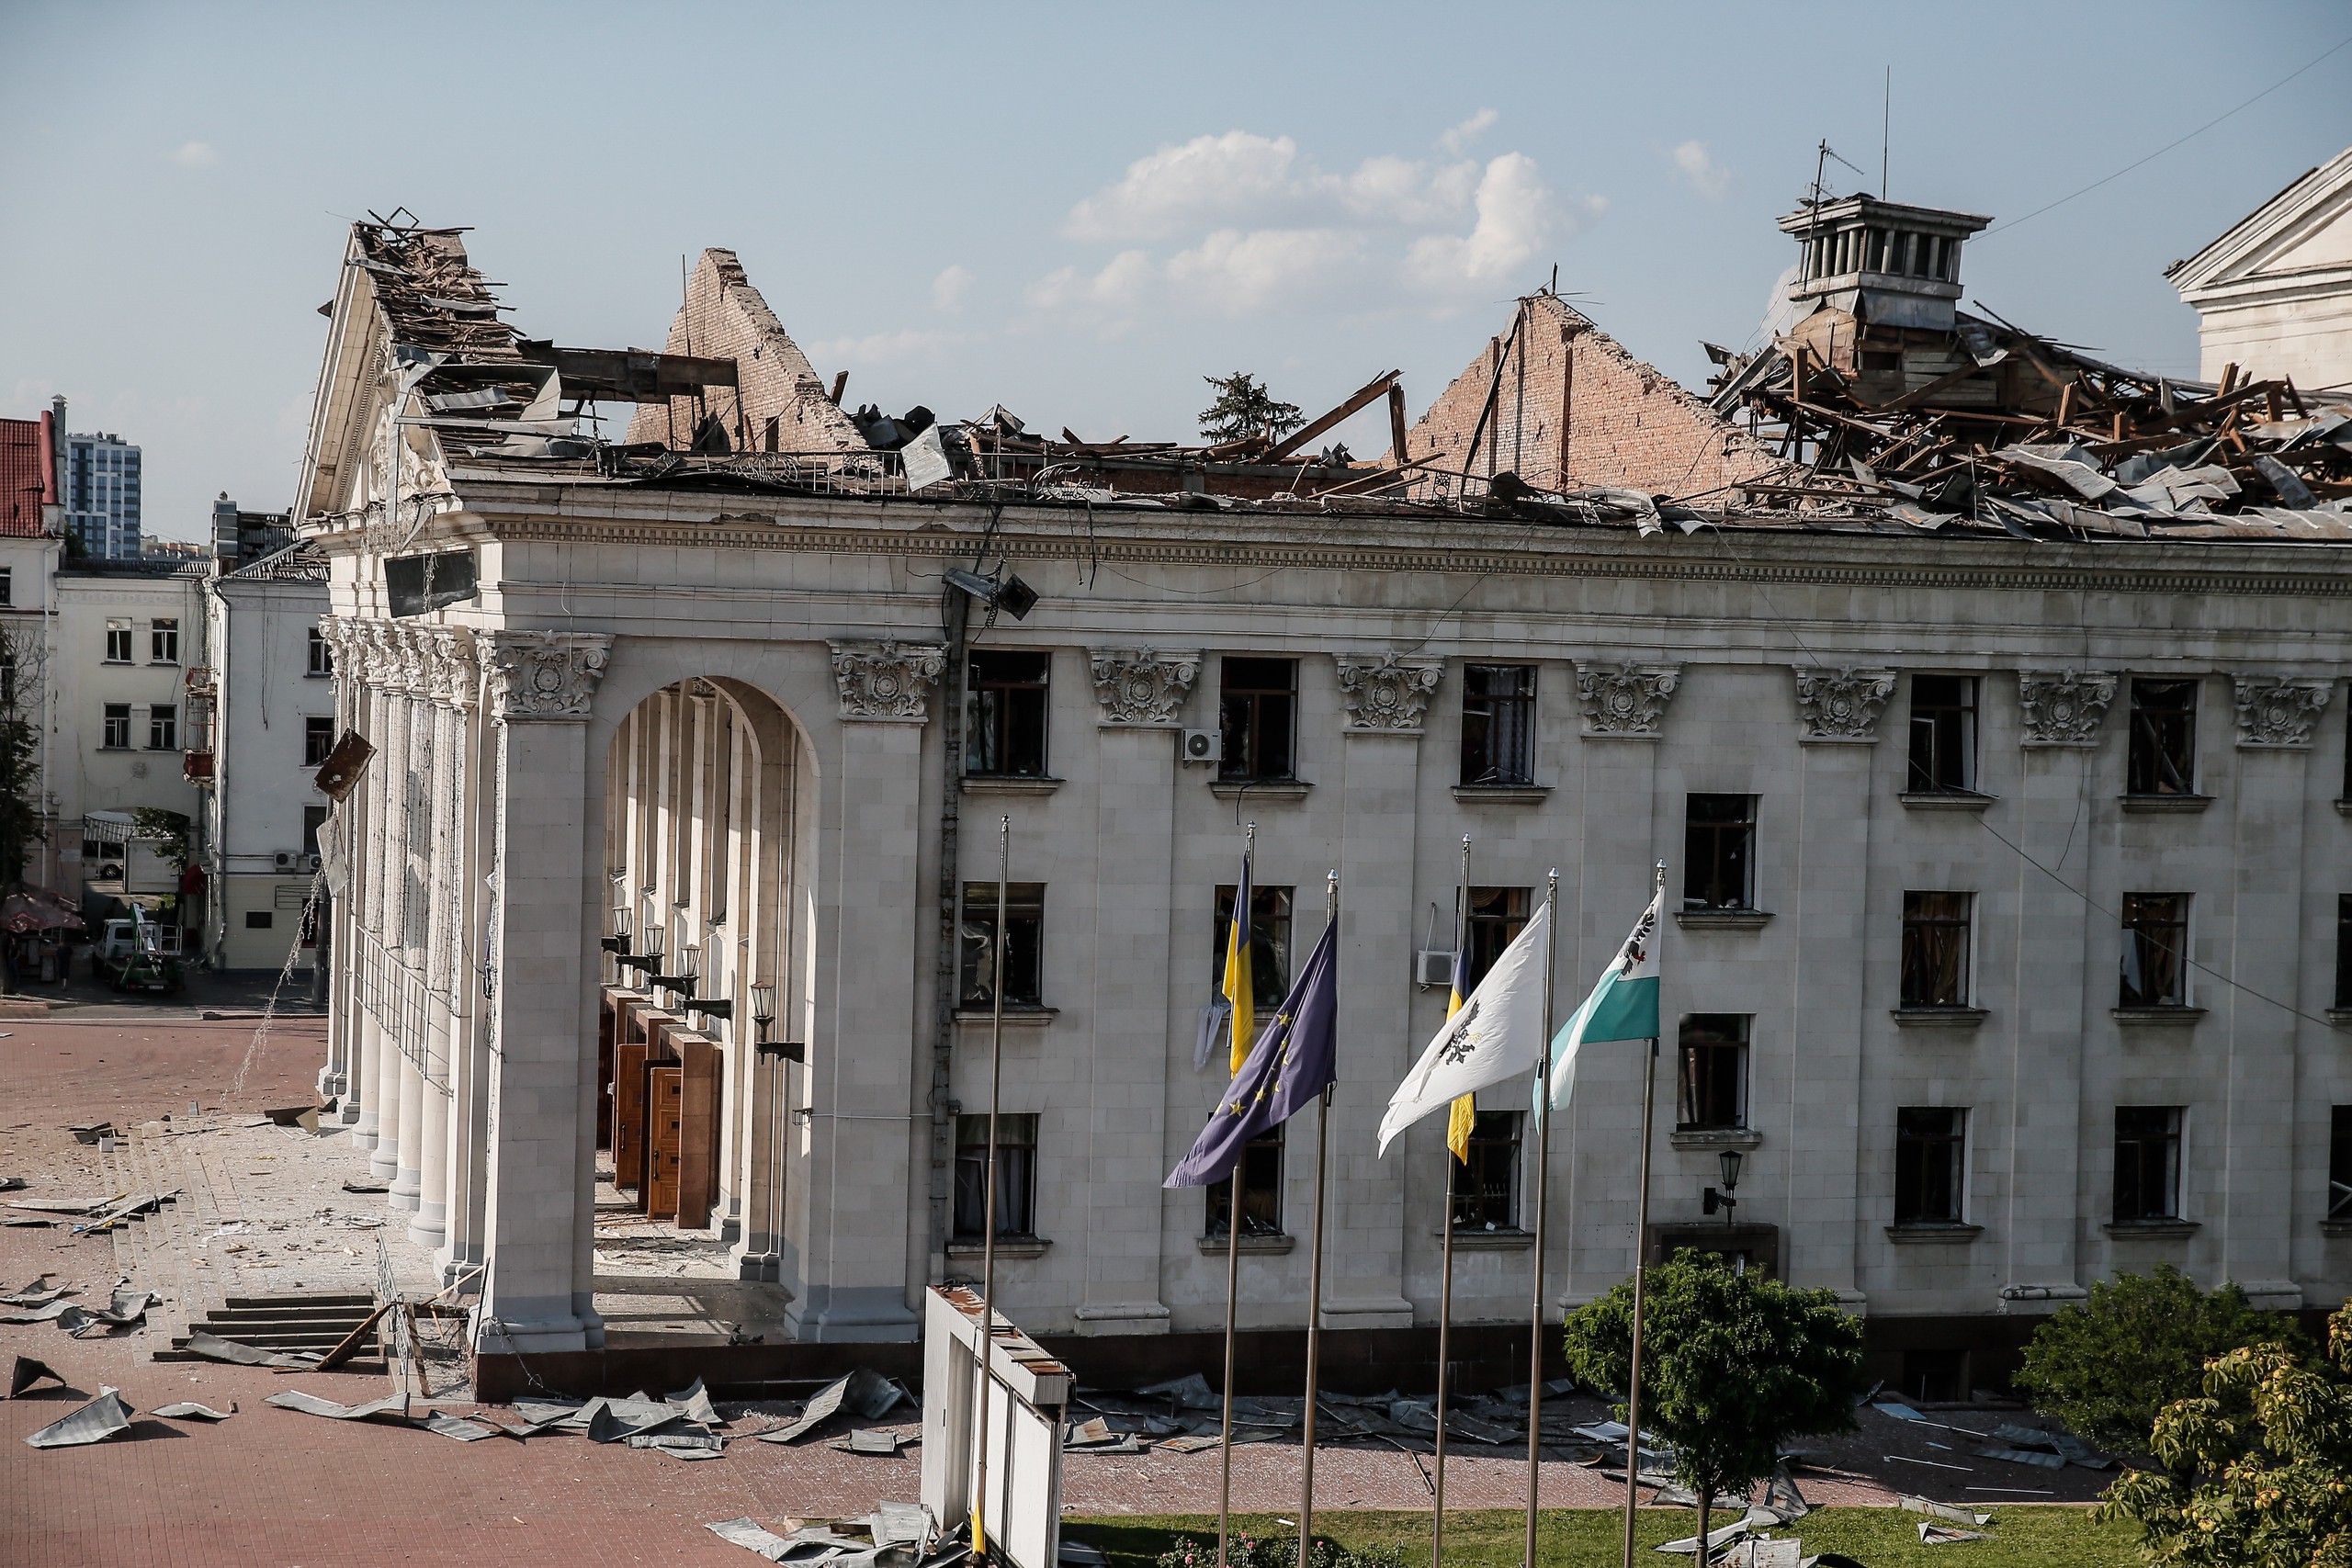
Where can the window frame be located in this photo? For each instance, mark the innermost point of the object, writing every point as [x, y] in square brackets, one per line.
[1016, 1169]
[1720, 1058]
[314, 818]
[2164, 1133]
[2339, 1165]
[119, 634]
[1254, 720]
[2139, 946]
[1920, 923]
[261, 919]
[163, 641]
[1273, 924]
[1713, 835]
[1260, 1170]
[991, 715]
[1927, 1158]
[2344, 950]
[109, 737]
[1488, 1182]
[322, 656]
[1947, 736]
[163, 726]
[1495, 722]
[1495, 917]
[2162, 740]
[1024, 957]
[315, 755]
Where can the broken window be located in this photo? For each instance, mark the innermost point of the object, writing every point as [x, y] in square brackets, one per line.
[1943, 734]
[164, 641]
[2155, 950]
[1486, 1190]
[322, 655]
[318, 741]
[1024, 919]
[415, 584]
[1719, 852]
[116, 736]
[1268, 942]
[2340, 1163]
[163, 727]
[1499, 724]
[1931, 1145]
[2147, 1163]
[259, 920]
[1004, 715]
[2344, 949]
[1497, 916]
[118, 642]
[313, 819]
[7, 585]
[1711, 1090]
[1016, 1176]
[2163, 737]
[1935, 949]
[1257, 711]
[1261, 1170]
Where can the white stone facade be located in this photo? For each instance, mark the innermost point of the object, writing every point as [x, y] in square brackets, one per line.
[2273, 296]
[737, 700]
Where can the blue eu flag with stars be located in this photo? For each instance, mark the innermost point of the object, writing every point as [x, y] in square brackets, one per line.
[1296, 1059]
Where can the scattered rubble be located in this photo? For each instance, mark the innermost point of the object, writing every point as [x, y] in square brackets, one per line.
[26, 1372]
[103, 1417]
[188, 1410]
[863, 1393]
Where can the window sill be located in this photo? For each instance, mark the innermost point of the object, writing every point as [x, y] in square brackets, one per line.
[2164, 804]
[1006, 1247]
[117, 748]
[1015, 1017]
[1259, 789]
[2133, 1018]
[1938, 1018]
[1945, 800]
[2151, 1230]
[1704, 1139]
[2340, 1017]
[1214, 1246]
[2335, 1227]
[1008, 783]
[319, 675]
[1722, 919]
[1933, 1233]
[1502, 794]
[1491, 1241]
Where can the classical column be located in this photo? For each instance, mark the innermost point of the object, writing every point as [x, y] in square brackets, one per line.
[449, 681]
[1139, 1007]
[412, 868]
[346, 1054]
[539, 1207]
[853, 1206]
[390, 794]
[470, 1050]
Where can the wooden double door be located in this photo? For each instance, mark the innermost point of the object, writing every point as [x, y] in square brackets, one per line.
[667, 1101]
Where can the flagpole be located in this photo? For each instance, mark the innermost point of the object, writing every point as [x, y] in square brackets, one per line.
[1241, 924]
[1641, 1261]
[987, 1167]
[1446, 1284]
[1315, 1275]
[1542, 1183]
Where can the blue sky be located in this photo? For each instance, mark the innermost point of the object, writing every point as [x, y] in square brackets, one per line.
[1080, 212]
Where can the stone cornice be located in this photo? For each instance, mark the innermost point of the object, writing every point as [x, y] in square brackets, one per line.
[947, 532]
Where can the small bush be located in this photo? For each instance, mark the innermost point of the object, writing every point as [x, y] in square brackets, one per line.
[1278, 1552]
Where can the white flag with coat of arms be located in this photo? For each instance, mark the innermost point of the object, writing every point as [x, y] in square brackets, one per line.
[1497, 1035]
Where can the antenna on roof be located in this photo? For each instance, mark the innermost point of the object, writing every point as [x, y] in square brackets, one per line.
[1885, 132]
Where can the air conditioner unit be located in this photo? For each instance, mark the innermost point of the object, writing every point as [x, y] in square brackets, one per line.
[1432, 968]
[289, 860]
[312, 862]
[1202, 746]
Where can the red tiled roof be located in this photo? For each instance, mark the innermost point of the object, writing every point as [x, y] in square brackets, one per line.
[22, 485]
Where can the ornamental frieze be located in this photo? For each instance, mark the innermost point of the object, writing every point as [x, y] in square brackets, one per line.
[1629, 701]
[2278, 710]
[1842, 705]
[2064, 707]
[1387, 695]
[1142, 685]
[888, 680]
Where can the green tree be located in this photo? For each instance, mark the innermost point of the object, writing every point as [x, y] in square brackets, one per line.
[20, 781]
[171, 831]
[2108, 1365]
[2259, 1466]
[1244, 409]
[1733, 1364]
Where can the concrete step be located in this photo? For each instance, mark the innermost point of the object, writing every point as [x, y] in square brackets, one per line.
[365, 1366]
[289, 1318]
[363, 1301]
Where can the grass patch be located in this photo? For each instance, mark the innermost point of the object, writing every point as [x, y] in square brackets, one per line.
[2032, 1537]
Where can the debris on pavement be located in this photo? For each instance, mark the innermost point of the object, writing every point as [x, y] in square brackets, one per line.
[27, 1371]
[127, 1310]
[1689, 1545]
[863, 1393]
[886, 1443]
[1944, 1511]
[189, 1410]
[91, 1132]
[212, 1348]
[392, 1407]
[103, 1417]
[458, 1428]
[1947, 1535]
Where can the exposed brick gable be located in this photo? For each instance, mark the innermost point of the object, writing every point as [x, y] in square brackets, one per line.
[725, 318]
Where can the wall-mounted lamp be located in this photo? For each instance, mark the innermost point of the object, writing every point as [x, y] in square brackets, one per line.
[1710, 1200]
[649, 963]
[617, 943]
[689, 971]
[764, 1021]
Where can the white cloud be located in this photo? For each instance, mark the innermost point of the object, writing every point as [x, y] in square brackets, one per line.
[947, 290]
[876, 348]
[1119, 286]
[1402, 191]
[194, 155]
[1205, 179]
[1234, 273]
[1516, 215]
[1469, 130]
[1707, 177]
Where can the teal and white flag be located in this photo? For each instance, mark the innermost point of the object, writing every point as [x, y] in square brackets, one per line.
[1622, 1006]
